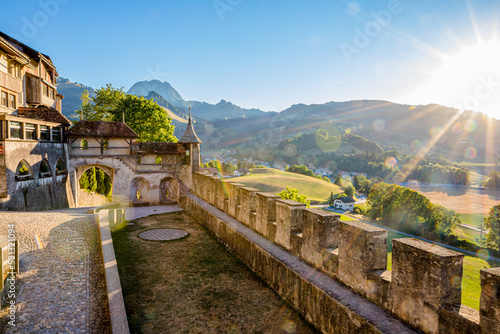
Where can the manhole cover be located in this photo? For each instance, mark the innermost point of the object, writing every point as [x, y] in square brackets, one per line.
[163, 234]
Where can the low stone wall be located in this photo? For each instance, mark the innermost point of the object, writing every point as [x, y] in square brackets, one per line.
[325, 303]
[91, 199]
[423, 290]
[107, 220]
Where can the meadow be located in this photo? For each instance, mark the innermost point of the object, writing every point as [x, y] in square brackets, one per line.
[464, 200]
[274, 181]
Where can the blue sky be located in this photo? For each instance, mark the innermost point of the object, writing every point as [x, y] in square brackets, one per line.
[270, 54]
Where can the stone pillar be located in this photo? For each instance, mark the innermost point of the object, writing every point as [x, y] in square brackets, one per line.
[266, 215]
[288, 220]
[233, 205]
[248, 206]
[425, 278]
[320, 235]
[490, 301]
[362, 249]
[194, 154]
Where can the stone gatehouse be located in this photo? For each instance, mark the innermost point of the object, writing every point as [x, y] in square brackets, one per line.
[142, 173]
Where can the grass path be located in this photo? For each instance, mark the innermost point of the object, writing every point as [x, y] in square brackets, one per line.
[193, 285]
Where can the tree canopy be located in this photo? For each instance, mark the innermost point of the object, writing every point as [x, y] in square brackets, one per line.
[293, 194]
[150, 121]
[492, 223]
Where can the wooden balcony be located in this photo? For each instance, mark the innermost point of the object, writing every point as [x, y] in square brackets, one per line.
[9, 82]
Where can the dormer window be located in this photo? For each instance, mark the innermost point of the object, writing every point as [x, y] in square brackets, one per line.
[14, 69]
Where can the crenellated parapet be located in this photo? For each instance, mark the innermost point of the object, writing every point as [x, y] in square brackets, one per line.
[423, 289]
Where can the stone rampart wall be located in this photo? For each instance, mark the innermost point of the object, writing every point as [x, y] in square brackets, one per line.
[423, 289]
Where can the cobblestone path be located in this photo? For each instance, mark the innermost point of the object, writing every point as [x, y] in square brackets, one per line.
[60, 288]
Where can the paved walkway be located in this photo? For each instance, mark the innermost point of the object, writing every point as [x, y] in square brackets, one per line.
[60, 288]
[141, 212]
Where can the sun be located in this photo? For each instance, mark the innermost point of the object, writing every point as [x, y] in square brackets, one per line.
[468, 79]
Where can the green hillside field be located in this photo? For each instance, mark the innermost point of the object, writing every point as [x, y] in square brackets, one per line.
[274, 181]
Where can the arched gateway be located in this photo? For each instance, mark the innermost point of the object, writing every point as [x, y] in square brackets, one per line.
[137, 176]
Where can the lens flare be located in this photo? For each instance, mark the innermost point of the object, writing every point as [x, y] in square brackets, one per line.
[470, 153]
[457, 128]
[302, 159]
[470, 125]
[348, 130]
[378, 125]
[456, 281]
[435, 131]
[411, 107]
[483, 254]
[391, 162]
[290, 150]
[417, 145]
[38, 241]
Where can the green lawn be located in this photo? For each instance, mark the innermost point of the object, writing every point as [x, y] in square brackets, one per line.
[472, 219]
[467, 233]
[343, 218]
[274, 181]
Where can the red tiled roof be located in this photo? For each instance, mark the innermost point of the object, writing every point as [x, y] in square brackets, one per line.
[43, 114]
[101, 129]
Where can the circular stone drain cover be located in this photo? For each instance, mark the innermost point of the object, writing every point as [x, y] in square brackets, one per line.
[163, 234]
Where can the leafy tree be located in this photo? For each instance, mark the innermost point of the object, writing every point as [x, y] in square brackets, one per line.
[293, 194]
[150, 121]
[103, 104]
[228, 168]
[349, 191]
[399, 178]
[492, 223]
[338, 181]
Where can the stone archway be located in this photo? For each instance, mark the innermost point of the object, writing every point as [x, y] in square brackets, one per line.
[82, 197]
[169, 190]
[139, 191]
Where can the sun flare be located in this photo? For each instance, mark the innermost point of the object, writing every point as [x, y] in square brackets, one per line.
[467, 80]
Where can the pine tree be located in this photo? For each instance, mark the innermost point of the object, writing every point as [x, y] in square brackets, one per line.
[338, 181]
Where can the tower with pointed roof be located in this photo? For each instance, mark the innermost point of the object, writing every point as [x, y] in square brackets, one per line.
[192, 144]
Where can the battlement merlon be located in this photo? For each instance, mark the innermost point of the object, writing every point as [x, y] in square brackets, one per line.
[490, 301]
[425, 278]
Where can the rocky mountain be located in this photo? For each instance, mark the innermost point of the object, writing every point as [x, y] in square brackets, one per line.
[220, 111]
[226, 125]
[72, 92]
[162, 88]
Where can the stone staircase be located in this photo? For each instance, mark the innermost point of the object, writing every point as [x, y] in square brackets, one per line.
[127, 163]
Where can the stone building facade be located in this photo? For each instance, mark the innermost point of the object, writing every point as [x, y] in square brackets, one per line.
[142, 173]
[33, 155]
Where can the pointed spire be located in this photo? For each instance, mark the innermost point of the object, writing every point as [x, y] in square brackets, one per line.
[190, 136]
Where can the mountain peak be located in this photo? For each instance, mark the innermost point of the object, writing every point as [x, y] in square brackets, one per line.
[163, 88]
